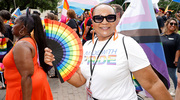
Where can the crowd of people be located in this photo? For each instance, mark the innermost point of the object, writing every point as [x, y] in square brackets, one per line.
[29, 58]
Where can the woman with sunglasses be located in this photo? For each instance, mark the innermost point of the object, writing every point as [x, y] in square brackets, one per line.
[171, 45]
[105, 69]
[26, 79]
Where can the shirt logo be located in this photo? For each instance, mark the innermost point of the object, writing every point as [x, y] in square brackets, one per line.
[171, 38]
[107, 57]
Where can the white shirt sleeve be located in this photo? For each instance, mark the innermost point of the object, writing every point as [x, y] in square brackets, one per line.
[137, 58]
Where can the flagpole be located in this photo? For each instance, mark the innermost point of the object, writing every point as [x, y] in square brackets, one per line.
[123, 4]
[167, 7]
[170, 3]
[14, 4]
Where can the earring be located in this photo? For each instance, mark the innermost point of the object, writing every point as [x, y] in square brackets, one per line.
[93, 37]
[21, 32]
[115, 35]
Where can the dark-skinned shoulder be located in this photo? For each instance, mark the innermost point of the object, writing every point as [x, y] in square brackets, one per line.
[24, 45]
[23, 53]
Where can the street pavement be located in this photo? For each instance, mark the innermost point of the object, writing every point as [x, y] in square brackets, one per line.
[65, 91]
[60, 91]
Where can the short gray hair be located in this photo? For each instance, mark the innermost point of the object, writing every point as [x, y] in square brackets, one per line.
[118, 9]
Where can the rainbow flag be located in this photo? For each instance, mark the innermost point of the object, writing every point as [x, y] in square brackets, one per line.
[137, 85]
[42, 20]
[84, 4]
[64, 11]
[79, 5]
[16, 13]
[3, 47]
[139, 22]
[78, 11]
[11, 24]
[1, 67]
[8, 22]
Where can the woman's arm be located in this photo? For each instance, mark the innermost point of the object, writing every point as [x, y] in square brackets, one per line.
[176, 57]
[23, 56]
[76, 80]
[177, 15]
[150, 82]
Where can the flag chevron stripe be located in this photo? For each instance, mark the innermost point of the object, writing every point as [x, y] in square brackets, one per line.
[155, 54]
[152, 56]
[141, 32]
[143, 24]
[158, 51]
[146, 33]
[139, 25]
[147, 39]
[139, 18]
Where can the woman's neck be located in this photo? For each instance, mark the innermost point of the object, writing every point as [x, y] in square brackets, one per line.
[100, 38]
[23, 37]
[169, 32]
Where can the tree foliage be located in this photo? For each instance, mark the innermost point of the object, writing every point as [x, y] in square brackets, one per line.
[172, 5]
[33, 4]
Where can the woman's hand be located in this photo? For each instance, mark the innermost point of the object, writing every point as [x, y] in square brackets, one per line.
[48, 56]
[175, 63]
[76, 80]
[75, 29]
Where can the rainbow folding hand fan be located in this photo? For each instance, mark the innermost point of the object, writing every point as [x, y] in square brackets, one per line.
[66, 46]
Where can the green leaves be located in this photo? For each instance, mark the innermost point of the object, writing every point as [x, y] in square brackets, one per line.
[33, 4]
[173, 5]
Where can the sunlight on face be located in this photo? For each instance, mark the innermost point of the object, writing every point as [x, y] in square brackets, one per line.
[105, 29]
[172, 26]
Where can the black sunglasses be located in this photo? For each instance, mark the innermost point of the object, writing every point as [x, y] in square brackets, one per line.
[109, 18]
[175, 24]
